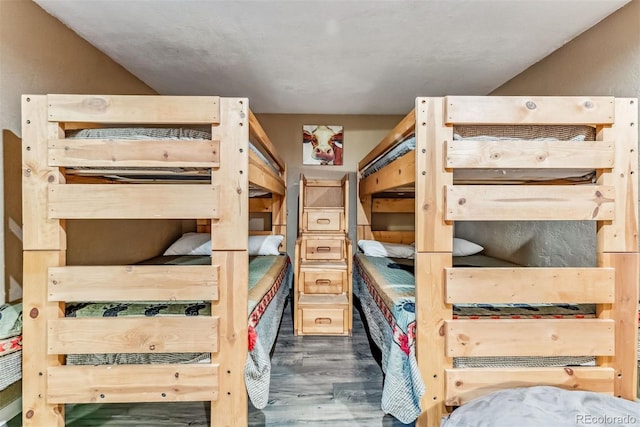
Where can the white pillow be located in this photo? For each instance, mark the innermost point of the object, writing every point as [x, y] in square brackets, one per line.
[462, 247]
[191, 244]
[383, 249]
[265, 245]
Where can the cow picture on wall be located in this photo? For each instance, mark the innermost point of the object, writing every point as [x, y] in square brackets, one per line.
[322, 145]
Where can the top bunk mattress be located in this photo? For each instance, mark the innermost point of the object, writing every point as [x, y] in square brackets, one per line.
[129, 174]
[498, 133]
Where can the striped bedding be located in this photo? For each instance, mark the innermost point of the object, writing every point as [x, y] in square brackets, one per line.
[385, 288]
[270, 279]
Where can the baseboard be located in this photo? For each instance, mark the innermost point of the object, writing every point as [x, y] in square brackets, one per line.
[10, 411]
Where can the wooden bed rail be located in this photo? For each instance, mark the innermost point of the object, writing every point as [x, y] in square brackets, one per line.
[133, 109]
[531, 110]
[400, 132]
[260, 136]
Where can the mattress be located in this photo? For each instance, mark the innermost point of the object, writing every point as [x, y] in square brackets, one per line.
[497, 133]
[133, 174]
[386, 290]
[270, 279]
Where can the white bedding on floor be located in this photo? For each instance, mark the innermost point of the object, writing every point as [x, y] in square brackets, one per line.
[545, 406]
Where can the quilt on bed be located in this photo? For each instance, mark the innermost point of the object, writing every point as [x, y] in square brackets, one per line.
[385, 288]
[270, 279]
[10, 344]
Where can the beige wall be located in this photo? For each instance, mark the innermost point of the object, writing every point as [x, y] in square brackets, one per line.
[361, 134]
[39, 55]
[604, 60]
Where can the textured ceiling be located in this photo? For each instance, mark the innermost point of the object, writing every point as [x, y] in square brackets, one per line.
[328, 57]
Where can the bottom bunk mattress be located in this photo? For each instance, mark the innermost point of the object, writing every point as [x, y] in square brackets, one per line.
[385, 288]
[270, 279]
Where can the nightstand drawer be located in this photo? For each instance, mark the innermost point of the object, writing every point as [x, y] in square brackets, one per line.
[323, 249]
[323, 282]
[323, 220]
[323, 320]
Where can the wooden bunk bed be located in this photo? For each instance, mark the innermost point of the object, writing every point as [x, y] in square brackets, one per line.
[207, 181]
[446, 179]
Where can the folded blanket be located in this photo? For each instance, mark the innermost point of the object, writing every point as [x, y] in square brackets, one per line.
[10, 320]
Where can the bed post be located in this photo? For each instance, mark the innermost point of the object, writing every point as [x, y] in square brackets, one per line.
[279, 214]
[230, 253]
[618, 246]
[434, 239]
[44, 245]
[363, 213]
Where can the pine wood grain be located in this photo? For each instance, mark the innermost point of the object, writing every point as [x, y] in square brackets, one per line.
[315, 380]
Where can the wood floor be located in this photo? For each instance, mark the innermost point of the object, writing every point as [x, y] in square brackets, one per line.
[315, 381]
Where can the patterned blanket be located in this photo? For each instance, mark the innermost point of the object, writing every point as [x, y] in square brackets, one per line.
[10, 344]
[385, 288]
[270, 279]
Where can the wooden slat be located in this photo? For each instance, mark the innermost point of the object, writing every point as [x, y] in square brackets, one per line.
[530, 285]
[260, 136]
[543, 110]
[363, 216]
[202, 153]
[134, 283]
[132, 383]
[91, 335]
[262, 176]
[534, 202]
[621, 234]
[39, 231]
[260, 204]
[433, 232]
[529, 154]
[131, 201]
[134, 109]
[231, 407]
[393, 205]
[405, 237]
[524, 337]
[232, 176]
[397, 134]
[464, 385]
[432, 312]
[230, 252]
[35, 358]
[624, 313]
[400, 172]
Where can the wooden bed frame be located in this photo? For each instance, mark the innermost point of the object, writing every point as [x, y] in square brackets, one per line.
[50, 197]
[612, 202]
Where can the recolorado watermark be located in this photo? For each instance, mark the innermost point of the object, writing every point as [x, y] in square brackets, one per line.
[606, 420]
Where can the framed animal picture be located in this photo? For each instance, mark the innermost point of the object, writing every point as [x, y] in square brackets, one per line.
[322, 145]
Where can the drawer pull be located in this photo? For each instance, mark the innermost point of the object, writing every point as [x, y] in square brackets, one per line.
[323, 248]
[323, 281]
[323, 321]
[323, 221]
